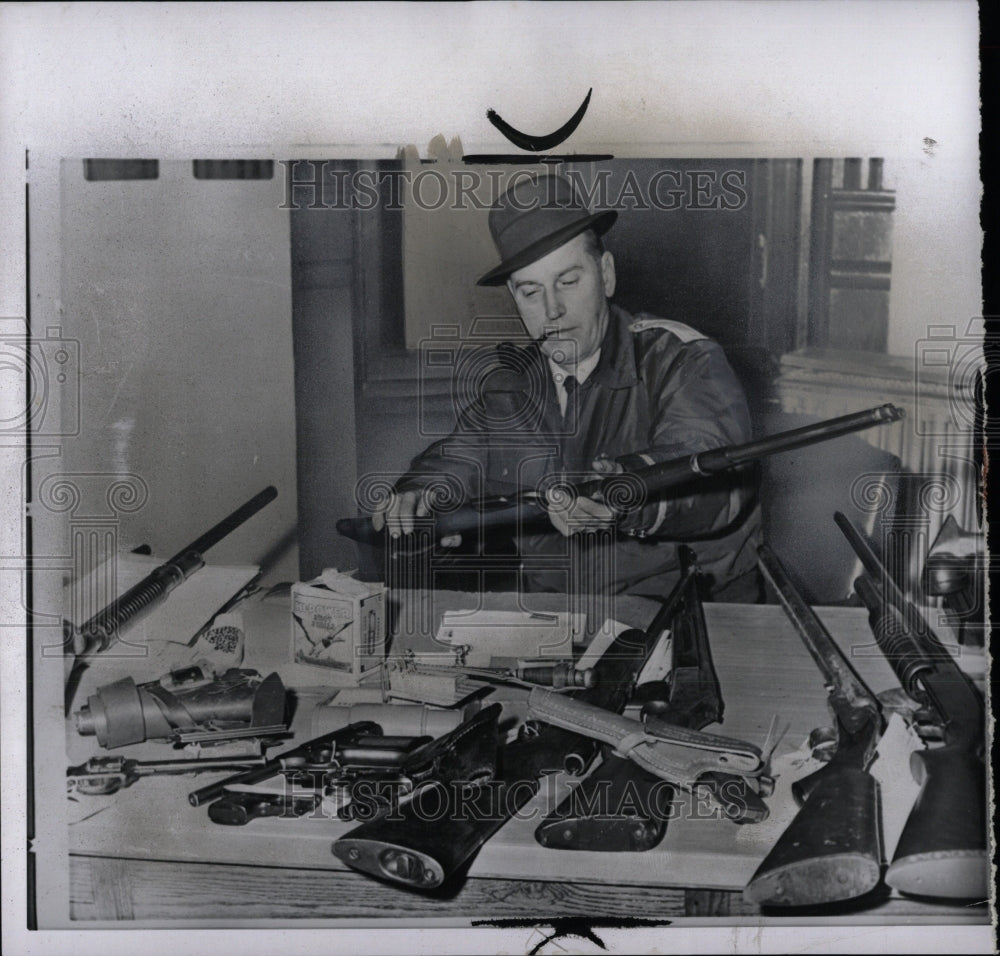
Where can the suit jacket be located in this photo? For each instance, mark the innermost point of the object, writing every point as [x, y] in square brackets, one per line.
[660, 391]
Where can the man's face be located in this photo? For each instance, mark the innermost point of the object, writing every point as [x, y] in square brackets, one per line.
[564, 297]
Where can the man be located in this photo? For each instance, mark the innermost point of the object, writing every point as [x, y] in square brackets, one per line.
[598, 392]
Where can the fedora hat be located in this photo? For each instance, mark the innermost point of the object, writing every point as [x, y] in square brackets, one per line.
[533, 217]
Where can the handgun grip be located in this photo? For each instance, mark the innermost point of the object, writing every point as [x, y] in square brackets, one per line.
[618, 807]
[830, 851]
[942, 849]
[238, 808]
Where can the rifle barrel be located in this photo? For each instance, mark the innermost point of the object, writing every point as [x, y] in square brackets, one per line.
[527, 510]
[229, 524]
[99, 631]
[881, 585]
[675, 471]
[858, 703]
[869, 559]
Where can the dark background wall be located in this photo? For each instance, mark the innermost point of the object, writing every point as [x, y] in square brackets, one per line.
[724, 259]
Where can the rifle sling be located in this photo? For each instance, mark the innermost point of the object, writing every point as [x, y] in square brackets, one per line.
[680, 758]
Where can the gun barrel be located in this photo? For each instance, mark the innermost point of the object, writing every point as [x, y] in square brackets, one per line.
[98, 632]
[899, 645]
[855, 703]
[328, 742]
[229, 524]
[874, 566]
[527, 511]
[679, 470]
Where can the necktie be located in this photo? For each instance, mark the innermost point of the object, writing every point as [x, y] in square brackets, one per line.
[569, 416]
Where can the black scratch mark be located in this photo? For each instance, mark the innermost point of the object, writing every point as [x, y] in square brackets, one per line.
[536, 144]
[582, 927]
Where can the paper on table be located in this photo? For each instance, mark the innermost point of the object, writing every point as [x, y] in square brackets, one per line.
[511, 633]
[161, 635]
[657, 667]
[890, 768]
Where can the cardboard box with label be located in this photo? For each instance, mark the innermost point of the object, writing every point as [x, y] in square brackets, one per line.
[339, 623]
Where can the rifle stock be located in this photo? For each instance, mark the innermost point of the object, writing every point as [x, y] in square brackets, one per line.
[830, 851]
[617, 807]
[942, 849]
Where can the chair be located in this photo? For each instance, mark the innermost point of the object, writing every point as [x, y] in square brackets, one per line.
[801, 490]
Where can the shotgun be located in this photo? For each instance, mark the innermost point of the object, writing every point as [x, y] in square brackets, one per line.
[97, 634]
[527, 509]
[831, 849]
[942, 849]
[433, 839]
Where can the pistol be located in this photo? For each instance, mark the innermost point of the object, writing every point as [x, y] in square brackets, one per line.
[359, 745]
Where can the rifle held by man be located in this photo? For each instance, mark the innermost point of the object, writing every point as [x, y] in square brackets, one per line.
[528, 509]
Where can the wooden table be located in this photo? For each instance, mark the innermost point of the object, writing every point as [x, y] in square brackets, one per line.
[148, 855]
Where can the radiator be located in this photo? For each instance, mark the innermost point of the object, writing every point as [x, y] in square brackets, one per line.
[934, 442]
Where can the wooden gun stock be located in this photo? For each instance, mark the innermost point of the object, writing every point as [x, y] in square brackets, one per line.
[831, 850]
[942, 849]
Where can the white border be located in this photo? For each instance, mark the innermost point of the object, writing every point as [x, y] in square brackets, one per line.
[182, 80]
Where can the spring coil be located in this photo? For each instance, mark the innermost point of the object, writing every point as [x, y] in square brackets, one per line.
[903, 651]
[103, 626]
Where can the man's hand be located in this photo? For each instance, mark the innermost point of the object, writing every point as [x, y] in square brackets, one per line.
[399, 513]
[572, 515]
